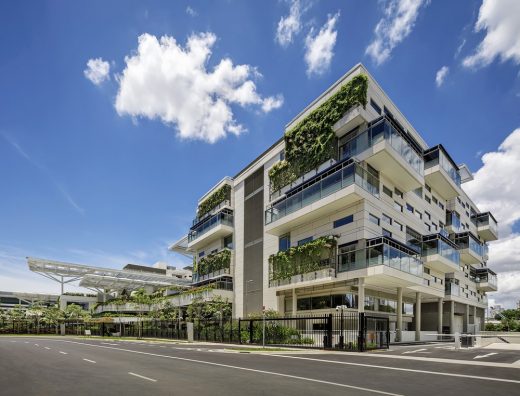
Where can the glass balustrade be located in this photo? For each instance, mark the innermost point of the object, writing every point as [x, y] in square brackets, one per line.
[452, 289]
[383, 130]
[438, 157]
[224, 217]
[442, 248]
[338, 177]
[381, 254]
[486, 219]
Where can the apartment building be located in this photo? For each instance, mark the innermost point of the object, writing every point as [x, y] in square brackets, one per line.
[349, 208]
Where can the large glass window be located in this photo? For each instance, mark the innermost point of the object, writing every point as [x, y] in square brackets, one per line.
[373, 219]
[387, 219]
[228, 241]
[387, 305]
[304, 241]
[370, 303]
[343, 221]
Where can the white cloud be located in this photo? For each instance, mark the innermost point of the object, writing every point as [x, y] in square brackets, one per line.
[441, 75]
[394, 27]
[319, 48]
[459, 48]
[97, 71]
[191, 12]
[290, 25]
[495, 188]
[501, 21]
[164, 80]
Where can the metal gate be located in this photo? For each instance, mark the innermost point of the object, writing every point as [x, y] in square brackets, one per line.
[375, 332]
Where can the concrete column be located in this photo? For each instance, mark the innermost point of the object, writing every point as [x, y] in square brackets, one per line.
[361, 295]
[418, 317]
[294, 302]
[439, 315]
[475, 315]
[399, 324]
[452, 317]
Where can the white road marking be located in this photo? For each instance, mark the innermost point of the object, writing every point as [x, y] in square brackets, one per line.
[36, 345]
[47, 348]
[108, 343]
[13, 341]
[517, 363]
[406, 369]
[416, 351]
[244, 369]
[26, 342]
[142, 376]
[487, 355]
[88, 360]
[445, 347]
[63, 353]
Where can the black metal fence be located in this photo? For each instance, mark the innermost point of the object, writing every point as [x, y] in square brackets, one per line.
[348, 331]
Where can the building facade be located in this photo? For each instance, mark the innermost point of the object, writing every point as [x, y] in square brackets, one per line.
[350, 208]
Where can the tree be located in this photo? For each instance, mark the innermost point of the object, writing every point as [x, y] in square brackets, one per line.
[140, 300]
[36, 311]
[75, 312]
[53, 316]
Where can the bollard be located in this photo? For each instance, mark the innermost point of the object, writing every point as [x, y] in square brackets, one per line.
[457, 340]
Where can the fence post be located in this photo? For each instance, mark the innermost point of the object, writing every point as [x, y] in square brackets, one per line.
[361, 336]
[329, 331]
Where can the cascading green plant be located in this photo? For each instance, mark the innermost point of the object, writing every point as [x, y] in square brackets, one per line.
[312, 141]
[302, 259]
[214, 262]
[219, 196]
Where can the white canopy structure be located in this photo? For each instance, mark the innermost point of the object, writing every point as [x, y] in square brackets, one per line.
[100, 279]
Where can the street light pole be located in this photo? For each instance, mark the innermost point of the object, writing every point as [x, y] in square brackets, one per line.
[263, 326]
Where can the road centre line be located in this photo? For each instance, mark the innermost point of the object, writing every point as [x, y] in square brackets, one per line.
[142, 376]
[63, 353]
[240, 368]
[47, 348]
[407, 369]
[88, 360]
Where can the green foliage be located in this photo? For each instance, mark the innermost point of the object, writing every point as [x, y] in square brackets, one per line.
[312, 141]
[217, 307]
[221, 195]
[214, 262]
[301, 259]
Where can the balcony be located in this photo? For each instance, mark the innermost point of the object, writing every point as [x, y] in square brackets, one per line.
[486, 280]
[311, 261]
[470, 249]
[451, 288]
[213, 266]
[440, 253]
[383, 262]
[222, 205]
[210, 229]
[452, 222]
[336, 187]
[384, 146]
[441, 172]
[223, 289]
[487, 227]
[353, 118]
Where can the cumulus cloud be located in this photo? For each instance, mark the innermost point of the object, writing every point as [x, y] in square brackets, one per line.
[289, 25]
[441, 75]
[97, 71]
[166, 81]
[501, 21]
[319, 47]
[495, 187]
[397, 23]
[191, 11]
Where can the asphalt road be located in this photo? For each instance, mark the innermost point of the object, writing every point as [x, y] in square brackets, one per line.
[75, 366]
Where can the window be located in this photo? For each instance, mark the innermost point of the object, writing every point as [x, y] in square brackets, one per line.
[409, 208]
[398, 192]
[284, 243]
[467, 213]
[398, 207]
[428, 199]
[321, 302]
[343, 221]
[387, 233]
[426, 270]
[418, 214]
[387, 191]
[434, 226]
[201, 254]
[398, 225]
[282, 155]
[459, 201]
[441, 225]
[304, 241]
[370, 303]
[407, 309]
[373, 219]
[429, 216]
[375, 106]
[428, 188]
[387, 219]
[418, 192]
[303, 304]
[228, 241]
[214, 251]
[387, 305]
[435, 201]
[441, 206]
[428, 227]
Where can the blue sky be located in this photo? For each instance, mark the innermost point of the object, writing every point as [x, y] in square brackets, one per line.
[105, 171]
